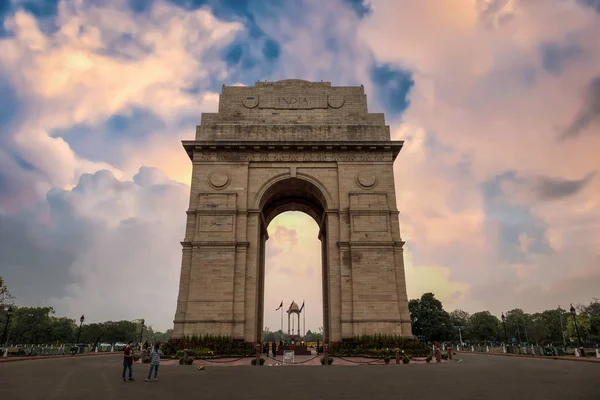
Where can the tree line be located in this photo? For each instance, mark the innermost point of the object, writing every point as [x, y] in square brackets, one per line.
[39, 325]
[431, 322]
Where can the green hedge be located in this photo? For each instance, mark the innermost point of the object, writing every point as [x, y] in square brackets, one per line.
[379, 346]
[208, 346]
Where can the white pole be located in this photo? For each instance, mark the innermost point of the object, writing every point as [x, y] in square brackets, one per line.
[304, 321]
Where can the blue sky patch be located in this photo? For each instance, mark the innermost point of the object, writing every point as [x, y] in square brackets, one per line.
[360, 7]
[513, 220]
[392, 87]
[104, 143]
[554, 56]
[271, 50]
[593, 4]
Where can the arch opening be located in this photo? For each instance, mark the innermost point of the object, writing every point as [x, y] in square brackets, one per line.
[292, 194]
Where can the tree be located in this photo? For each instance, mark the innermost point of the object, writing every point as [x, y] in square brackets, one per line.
[63, 329]
[460, 318]
[483, 326]
[584, 324]
[32, 325]
[163, 337]
[313, 336]
[593, 310]
[429, 320]
[516, 325]
[5, 296]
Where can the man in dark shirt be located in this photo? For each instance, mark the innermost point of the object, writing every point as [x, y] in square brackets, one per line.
[128, 361]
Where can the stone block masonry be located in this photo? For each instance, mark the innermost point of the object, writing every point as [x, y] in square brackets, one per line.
[292, 145]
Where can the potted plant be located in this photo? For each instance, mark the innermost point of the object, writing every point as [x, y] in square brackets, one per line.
[428, 359]
[386, 359]
[405, 360]
[261, 362]
[329, 361]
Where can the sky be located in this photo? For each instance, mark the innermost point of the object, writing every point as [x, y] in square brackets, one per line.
[498, 102]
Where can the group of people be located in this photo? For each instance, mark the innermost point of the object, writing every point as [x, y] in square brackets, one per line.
[154, 354]
[273, 348]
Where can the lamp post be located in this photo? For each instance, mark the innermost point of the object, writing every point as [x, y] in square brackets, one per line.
[460, 334]
[562, 329]
[504, 325]
[519, 332]
[81, 319]
[9, 312]
[574, 313]
[141, 332]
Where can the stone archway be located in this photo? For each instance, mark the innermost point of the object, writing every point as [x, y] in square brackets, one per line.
[293, 194]
[292, 145]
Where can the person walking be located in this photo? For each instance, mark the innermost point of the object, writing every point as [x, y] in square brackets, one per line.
[128, 360]
[154, 361]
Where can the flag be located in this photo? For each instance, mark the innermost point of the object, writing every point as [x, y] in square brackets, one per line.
[281, 305]
[301, 308]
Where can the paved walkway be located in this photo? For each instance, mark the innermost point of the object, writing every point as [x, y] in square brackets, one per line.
[298, 360]
[476, 377]
[566, 358]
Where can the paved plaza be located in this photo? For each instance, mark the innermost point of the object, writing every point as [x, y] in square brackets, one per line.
[475, 377]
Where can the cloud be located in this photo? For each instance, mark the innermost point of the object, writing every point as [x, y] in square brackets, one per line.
[293, 269]
[589, 115]
[552, 188]
[486, 191]
[495, 185]
[101, 65]
[105, 236]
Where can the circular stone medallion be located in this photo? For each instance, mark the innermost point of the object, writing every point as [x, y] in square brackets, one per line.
[250, 101]
[218, 180]
[366, 180]
[335, 101]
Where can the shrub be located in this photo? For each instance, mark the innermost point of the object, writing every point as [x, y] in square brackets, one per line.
[146, 360]
[379, 346]
[429, 358]
[405, 360]
[209, 346]
[444, 356]
[329, 361]
[261, 361]
[387, 359]
[190, 361]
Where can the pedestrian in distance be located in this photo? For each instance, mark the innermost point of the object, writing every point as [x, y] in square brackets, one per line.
[155, 355]
[128, 360]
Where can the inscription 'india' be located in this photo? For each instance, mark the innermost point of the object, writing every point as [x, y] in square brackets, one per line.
[292, 100]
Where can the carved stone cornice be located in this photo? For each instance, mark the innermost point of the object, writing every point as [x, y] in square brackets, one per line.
[189, 244]
[290, 151]
[371, 244]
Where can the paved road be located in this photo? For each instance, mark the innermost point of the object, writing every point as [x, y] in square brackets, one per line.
[476, 377]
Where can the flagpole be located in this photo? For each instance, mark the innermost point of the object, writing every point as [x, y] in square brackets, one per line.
[282, 320]
[304, 321]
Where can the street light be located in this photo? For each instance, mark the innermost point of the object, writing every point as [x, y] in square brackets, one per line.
[574, 313]
[4, 335]
[504, 325]
[79, 332]
[562, 329]
[460, 334]
[141, 331]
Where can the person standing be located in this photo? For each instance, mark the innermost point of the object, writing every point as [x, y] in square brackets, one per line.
[154, 362]
[128, 360]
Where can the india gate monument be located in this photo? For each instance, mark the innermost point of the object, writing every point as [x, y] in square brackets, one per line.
[292, 145]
